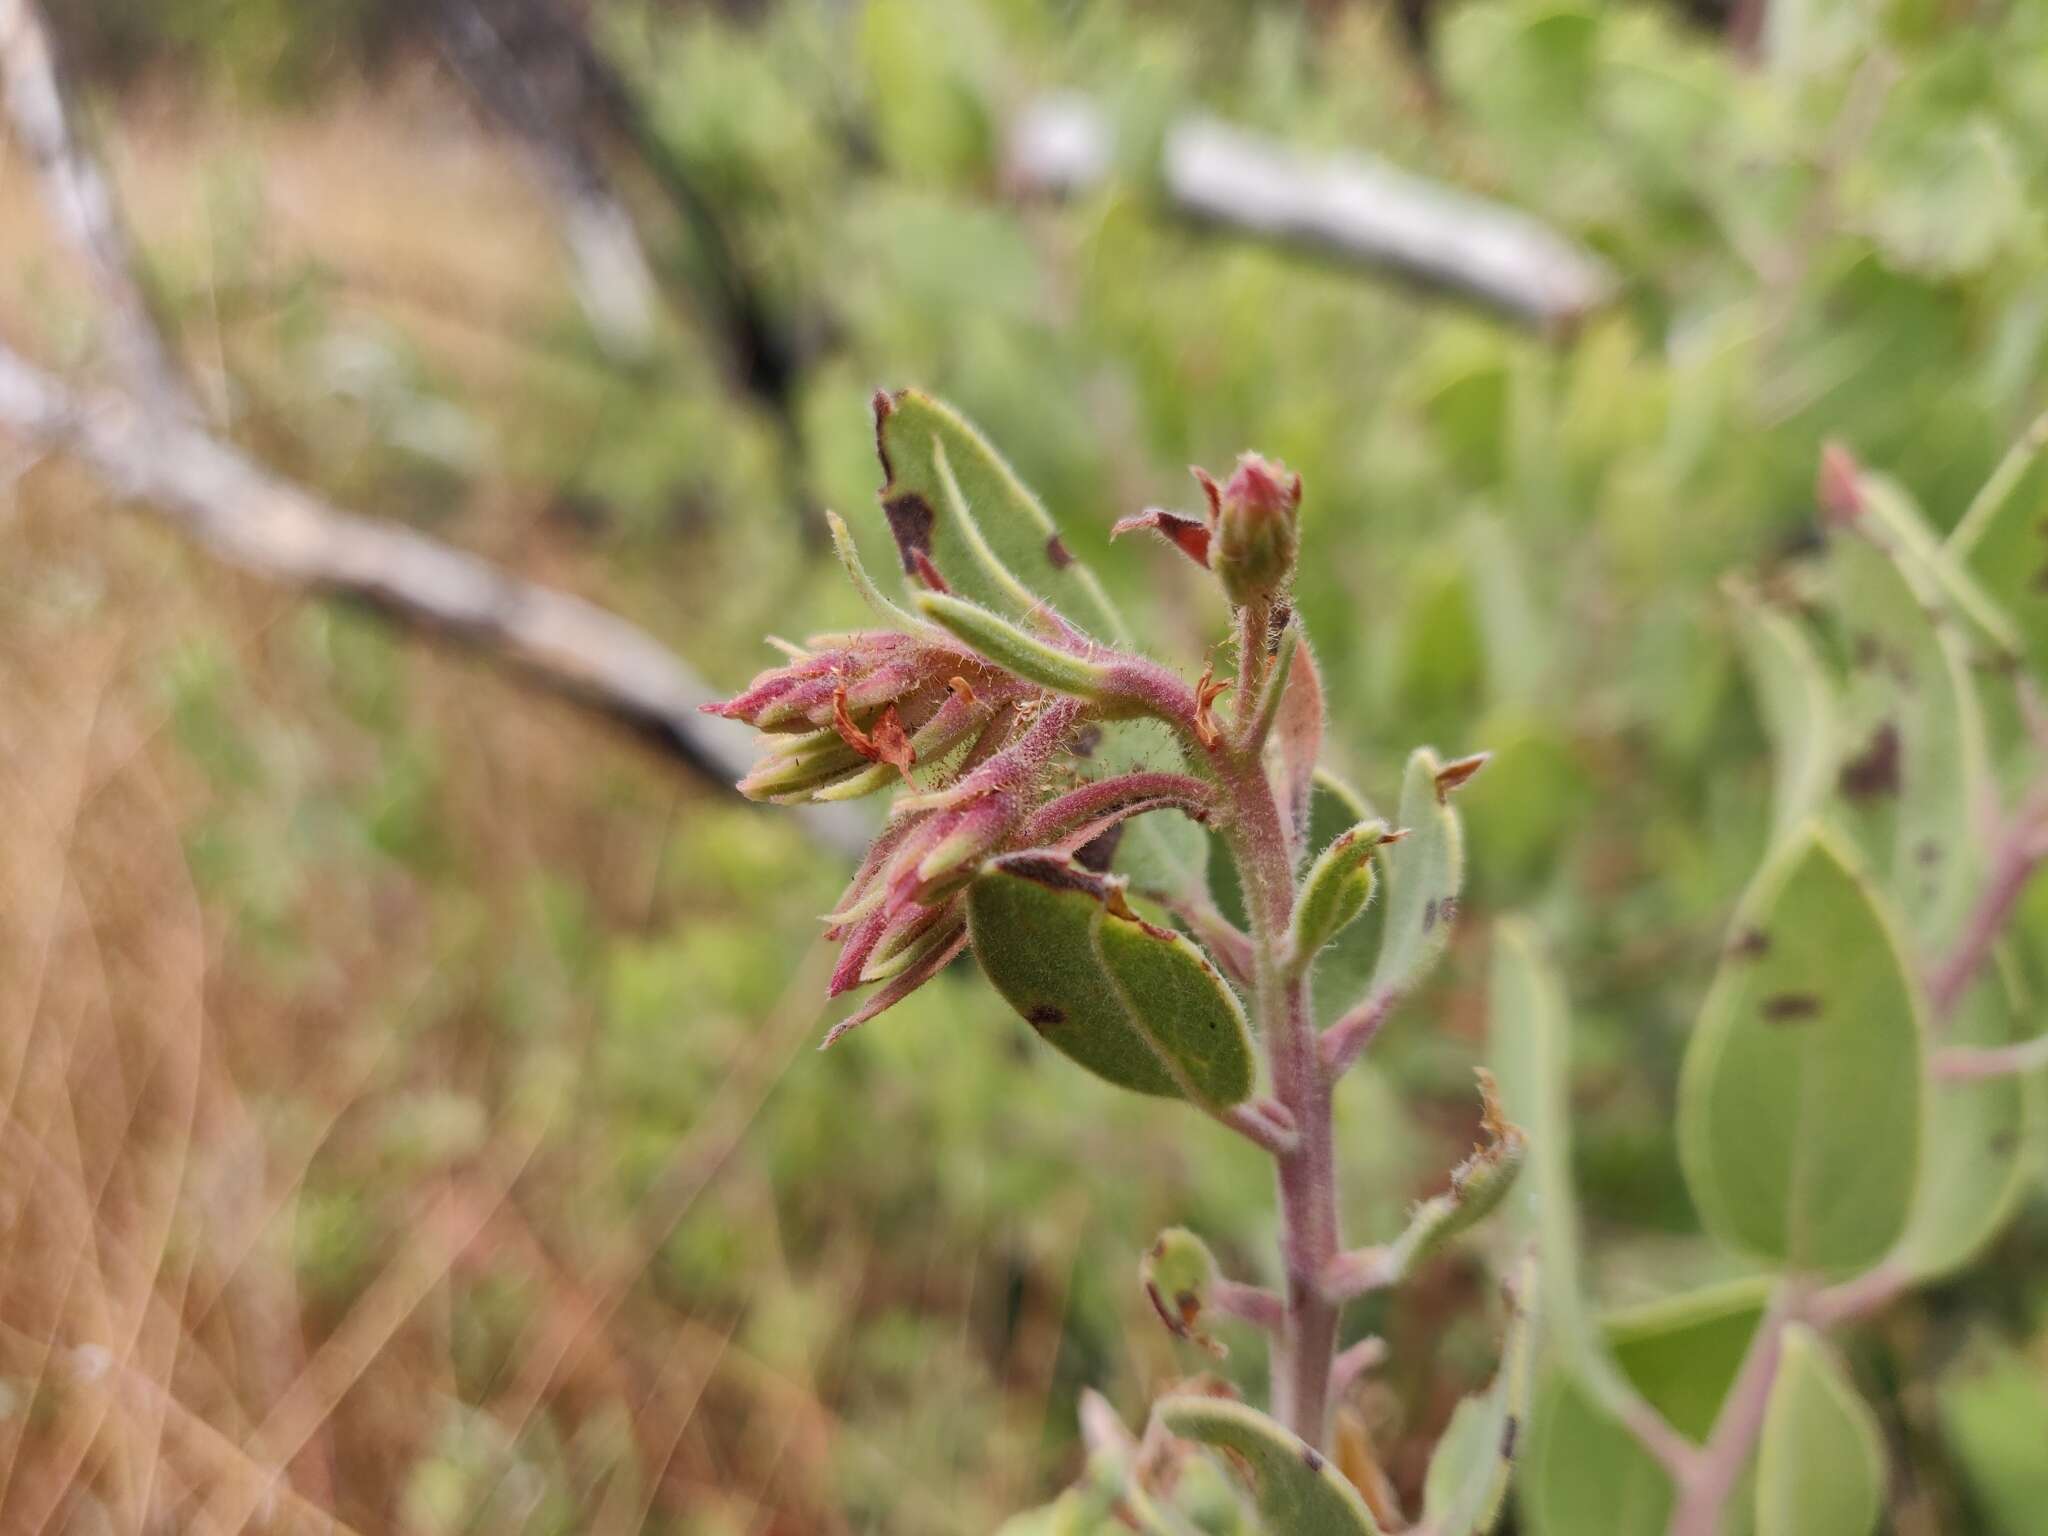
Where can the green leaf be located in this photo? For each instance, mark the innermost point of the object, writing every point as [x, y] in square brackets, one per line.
[1915, 768]
[1800, 1101]
[1168, 855]
[1338, 888]
[1820, 1467]
[1584, 1474]
[1991, 1407]
[1467, 1483]
[1296, 1489]
[1478, 1186]
[1424, 873]
[1999, 541]
[1179, 1275]
[1010, 648]
[1137, 1005]
[1796, 698]
[1530, 1048]
[949, 494]
[1980, 1134]
[1902, 529]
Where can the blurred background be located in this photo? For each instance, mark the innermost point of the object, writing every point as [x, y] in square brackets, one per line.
[409, 1070]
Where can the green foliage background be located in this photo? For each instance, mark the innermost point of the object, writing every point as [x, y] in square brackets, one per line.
[920, 1246]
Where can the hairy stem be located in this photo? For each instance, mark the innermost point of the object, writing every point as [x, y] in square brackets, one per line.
[1307, 1171]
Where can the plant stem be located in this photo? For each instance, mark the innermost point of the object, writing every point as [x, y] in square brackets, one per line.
[1307, 1171]
[1703, 1493]
[2020, 852]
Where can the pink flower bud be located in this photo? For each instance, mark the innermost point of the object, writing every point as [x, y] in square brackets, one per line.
[1256, 513]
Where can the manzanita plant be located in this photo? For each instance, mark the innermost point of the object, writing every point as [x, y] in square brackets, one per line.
[1038, 821]
[1860, 1099]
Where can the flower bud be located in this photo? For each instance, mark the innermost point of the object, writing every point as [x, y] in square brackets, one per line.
[854, 713]
[1256, 513]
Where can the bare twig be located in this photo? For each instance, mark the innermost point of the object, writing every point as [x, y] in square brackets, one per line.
[263, 524]
[81, 200]
[613, 279]
[1353, 207]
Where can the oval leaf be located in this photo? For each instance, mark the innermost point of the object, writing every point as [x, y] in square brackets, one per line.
[1137, 1005]
[1294, 1486]
[1800, 1102]
[1820, 1471]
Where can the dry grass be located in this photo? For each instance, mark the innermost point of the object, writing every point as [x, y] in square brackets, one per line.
[169, 1093]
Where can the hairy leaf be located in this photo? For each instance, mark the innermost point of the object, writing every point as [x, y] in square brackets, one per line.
[1424, 874]
[950, 497]
[1295, 1488]
[1137, 1005]
[1338, 888]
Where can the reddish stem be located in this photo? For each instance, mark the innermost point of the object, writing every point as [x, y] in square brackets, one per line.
[1307, 1171]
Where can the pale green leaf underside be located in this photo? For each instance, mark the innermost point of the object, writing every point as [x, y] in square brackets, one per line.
[992, 539]
[1980, 1133]
[1296, 1490]
[1820, 1468]
[1914, 764]
[1423, 871]
[1800, 1100]
[1796, 698]
[951, 493]
[1467, 1483]
[1529, 1048]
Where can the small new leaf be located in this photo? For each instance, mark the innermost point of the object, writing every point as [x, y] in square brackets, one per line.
[1339, 887]
[1179, 1275]
[1478, 1185]
[1012, 649]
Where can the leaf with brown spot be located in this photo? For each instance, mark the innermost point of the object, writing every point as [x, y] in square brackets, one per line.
[1138, 1005]
[950, 497]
